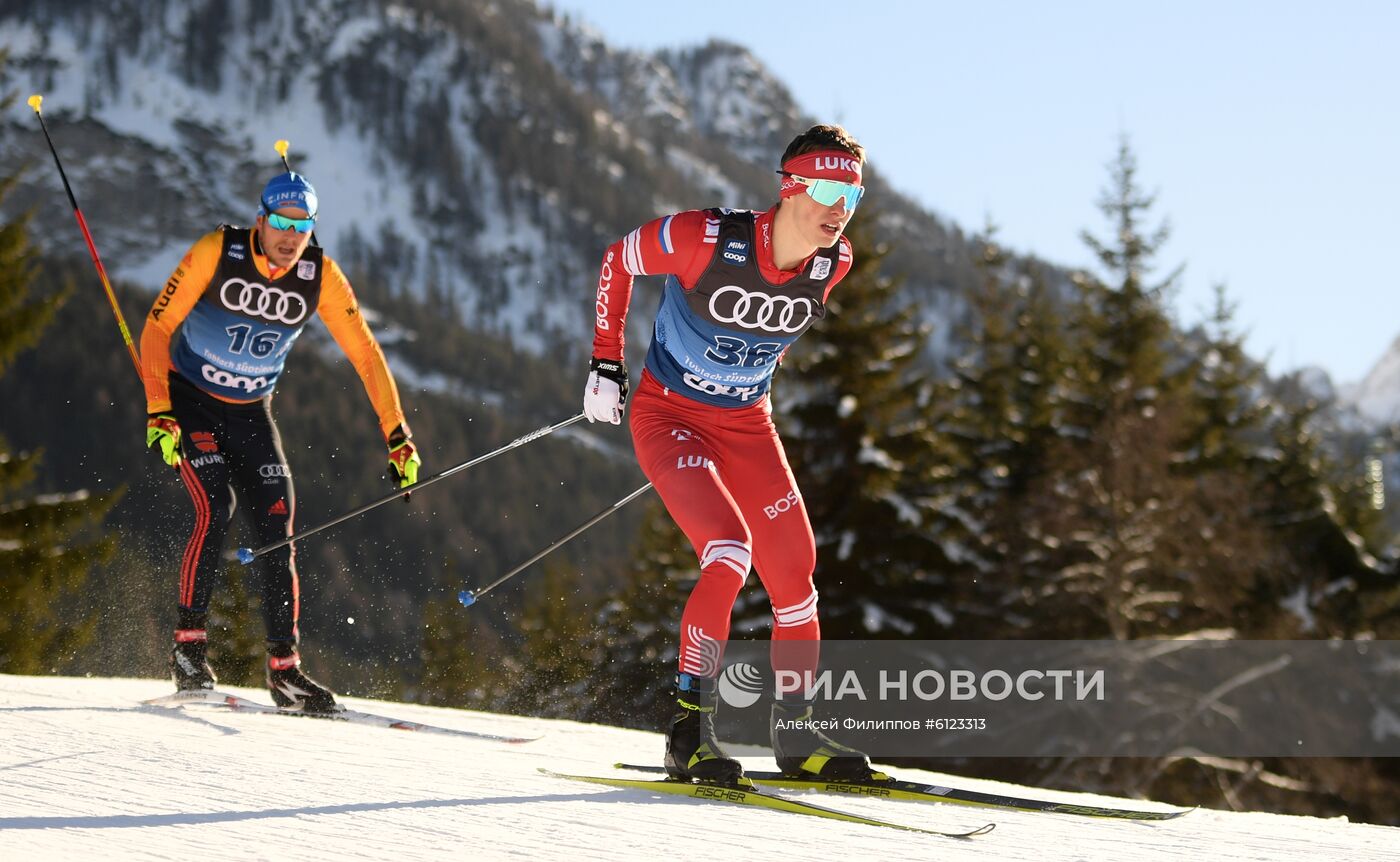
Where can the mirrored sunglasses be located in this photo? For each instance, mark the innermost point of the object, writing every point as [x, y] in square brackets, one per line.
[281, 222]
[828, 192]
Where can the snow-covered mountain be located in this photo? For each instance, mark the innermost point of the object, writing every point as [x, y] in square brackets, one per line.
[1377, 396]
[483, 151]
[88, 772]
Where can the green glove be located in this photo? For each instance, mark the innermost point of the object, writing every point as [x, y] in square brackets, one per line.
[403, 458]
[163, 436]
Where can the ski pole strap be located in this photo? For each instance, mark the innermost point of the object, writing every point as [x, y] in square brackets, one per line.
[247, 555]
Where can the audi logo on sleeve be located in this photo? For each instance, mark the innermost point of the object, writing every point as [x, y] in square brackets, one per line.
[263, 301]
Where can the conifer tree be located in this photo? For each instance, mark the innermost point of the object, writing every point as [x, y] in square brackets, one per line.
[860, 447]
[1114, 515]
[1127, 322]
[974, 412]
[47, 546]
[1331, 583]
[1225, 428]
[997, 418]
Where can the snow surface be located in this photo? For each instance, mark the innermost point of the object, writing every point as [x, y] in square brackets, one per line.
[87, 772]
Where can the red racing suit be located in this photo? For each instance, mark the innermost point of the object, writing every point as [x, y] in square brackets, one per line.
[701, 419]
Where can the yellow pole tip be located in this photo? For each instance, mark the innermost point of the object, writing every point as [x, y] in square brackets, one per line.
[35, 101]
[281, 147]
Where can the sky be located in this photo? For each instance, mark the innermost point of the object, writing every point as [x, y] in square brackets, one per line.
[1269, 132]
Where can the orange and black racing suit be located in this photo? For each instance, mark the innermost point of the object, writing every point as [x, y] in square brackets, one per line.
[214, 344]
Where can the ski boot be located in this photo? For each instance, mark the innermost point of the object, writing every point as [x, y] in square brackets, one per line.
[189, 663]
[692, 751]
[291, 688]
[804, 752]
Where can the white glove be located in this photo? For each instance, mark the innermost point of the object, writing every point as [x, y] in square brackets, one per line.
[605, 396]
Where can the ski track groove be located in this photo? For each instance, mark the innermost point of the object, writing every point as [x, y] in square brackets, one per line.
[85, 772]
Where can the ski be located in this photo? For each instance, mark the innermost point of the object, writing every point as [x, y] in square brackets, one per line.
[893, 788]
[210, 697]
[748, 795]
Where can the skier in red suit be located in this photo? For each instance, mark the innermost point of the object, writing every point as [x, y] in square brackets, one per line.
[741, 287]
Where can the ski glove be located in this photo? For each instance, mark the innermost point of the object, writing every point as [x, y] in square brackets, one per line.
[403, 458]
[605, 396]
[163, 437]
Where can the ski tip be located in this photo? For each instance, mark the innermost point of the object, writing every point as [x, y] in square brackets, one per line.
[467, 598]
[245, 555]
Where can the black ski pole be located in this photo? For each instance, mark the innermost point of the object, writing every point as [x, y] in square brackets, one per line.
[469, 597]
[247, 555]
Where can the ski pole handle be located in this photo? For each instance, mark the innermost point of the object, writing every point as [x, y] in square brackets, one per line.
[470, 597]
[247, 555]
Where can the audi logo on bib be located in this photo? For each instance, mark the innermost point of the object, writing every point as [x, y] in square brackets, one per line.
[733, 304]
[261, 300]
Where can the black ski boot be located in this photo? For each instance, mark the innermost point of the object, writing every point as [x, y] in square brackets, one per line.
[189, 664]
[692, 752]
[802, 751]
[293, 689]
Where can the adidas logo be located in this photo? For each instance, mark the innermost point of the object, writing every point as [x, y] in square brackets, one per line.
[292, 691]
[278, 508]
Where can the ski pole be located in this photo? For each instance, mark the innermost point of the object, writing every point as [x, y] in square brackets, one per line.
[247, 555]
[34, 102]
[469, 597]
[281, 148]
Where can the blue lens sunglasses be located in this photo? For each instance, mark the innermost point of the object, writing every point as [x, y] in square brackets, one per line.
[281, 222]
[828, 192]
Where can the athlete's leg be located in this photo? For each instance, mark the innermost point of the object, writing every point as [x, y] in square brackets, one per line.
[756, 472]
[676, 455]
[205, 474]
[264, 483]
[785, 556]
[679, 461]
